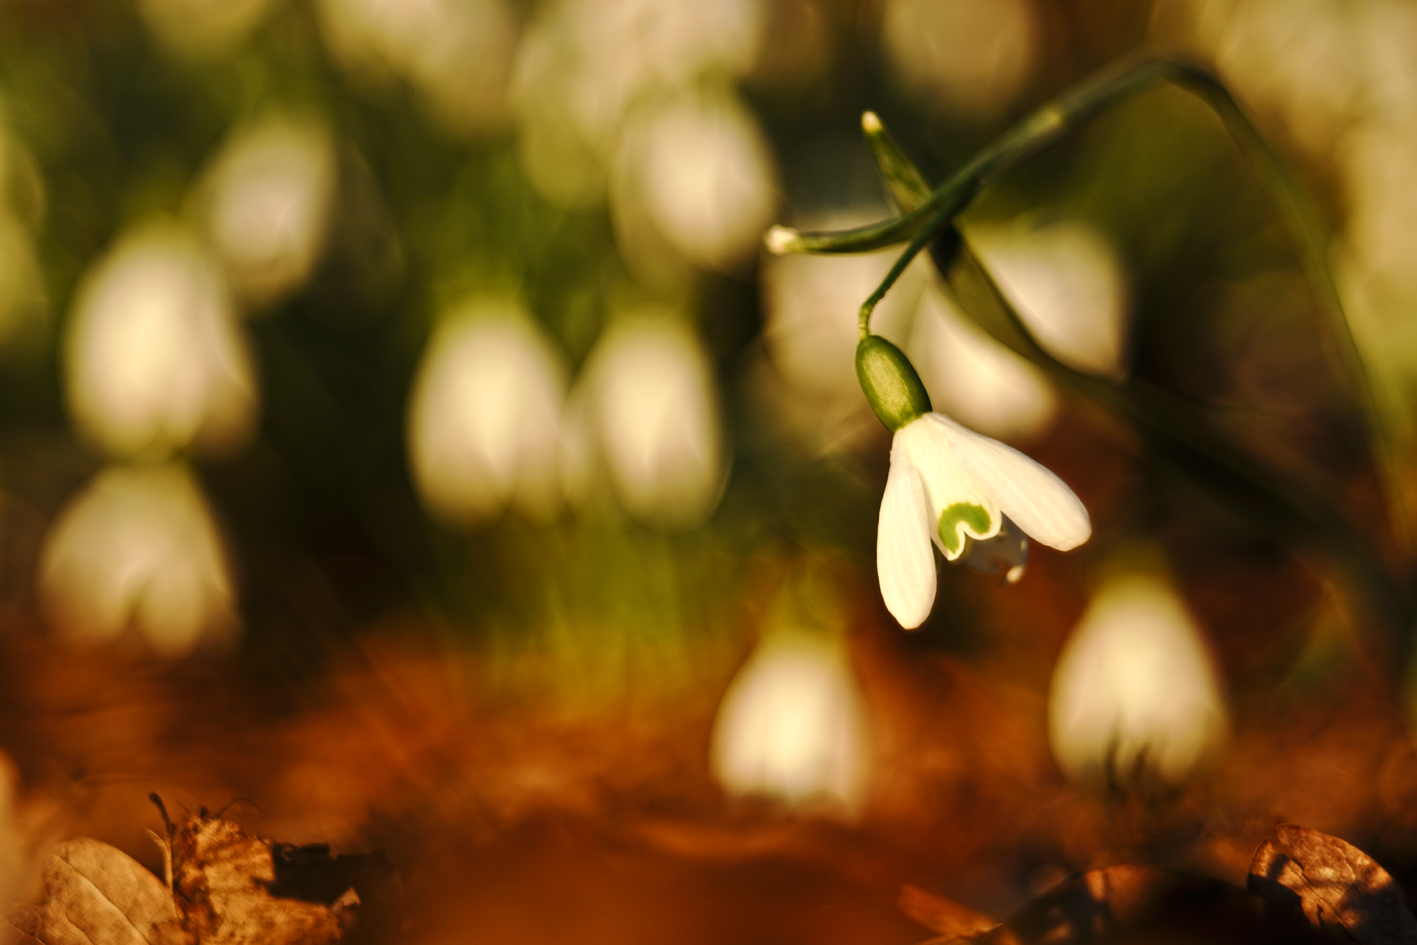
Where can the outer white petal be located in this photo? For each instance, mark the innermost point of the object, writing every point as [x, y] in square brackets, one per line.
[1038, 501]
[905, 562]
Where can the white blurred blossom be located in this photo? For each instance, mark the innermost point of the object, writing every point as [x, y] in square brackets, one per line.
[485, 415]
[585, 63]
[153, 360]
[1068, 286]
[266, 202]
[647, 405]
[1134, 686]
[138, 548]
[972, 377]
[456, 54]
[793, 724]
[705, 175]
[966, 56]
[202, 29]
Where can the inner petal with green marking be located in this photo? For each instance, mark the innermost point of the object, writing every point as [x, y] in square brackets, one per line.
[975, 518]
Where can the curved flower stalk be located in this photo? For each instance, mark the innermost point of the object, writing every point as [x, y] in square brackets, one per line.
[950, 486]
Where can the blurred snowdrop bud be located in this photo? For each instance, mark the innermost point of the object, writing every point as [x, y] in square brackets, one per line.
[812, 305]
[792, 725]
[484, 419]
[456, 54]
[648, 397]
[1068, 286]
[967, 56]
[1134, 689]
[138, 548]
[265, 204]
[200, 30]
[153, 360]
[972, 377]
[584, 63]
[705, 176]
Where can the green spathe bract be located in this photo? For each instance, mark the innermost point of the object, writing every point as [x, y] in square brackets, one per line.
[890, 383]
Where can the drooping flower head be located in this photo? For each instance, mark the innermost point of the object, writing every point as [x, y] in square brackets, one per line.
[950, 486]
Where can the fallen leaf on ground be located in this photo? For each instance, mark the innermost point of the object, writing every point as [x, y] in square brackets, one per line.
[1338, 888]
[1136, 904]
[222, 882]
[96, 894]
[949, 919]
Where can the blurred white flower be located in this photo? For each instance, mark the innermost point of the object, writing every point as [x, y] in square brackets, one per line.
[972, 377]
[201, 29]
[456, 54]
[649, 407]
[153, 360]
[585, 63]
[704, 173]
[950, 485]
[265, 203]
[1134, 687]
[1068, 286]
[484, 418]
[793, 724]
[966, 56]
[138, 548]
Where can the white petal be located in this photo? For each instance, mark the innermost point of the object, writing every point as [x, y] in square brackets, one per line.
[1038, 501]
[949, 488]
[904, 561]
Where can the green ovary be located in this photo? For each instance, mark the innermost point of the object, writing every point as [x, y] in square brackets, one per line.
[974, 516]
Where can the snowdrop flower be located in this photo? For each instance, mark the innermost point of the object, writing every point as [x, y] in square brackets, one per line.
[153, 359]
[484, 427]
[139, 548]
[1134, 686]
[793, 723]
[647, 401]
[950, 485]
[704, 174]
[266, 200]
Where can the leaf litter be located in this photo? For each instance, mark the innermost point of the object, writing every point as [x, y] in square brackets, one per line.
[223, 886]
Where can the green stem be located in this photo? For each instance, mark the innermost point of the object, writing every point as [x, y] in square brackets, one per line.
[1030, 135]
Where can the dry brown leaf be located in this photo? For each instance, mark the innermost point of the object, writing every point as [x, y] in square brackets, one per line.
[951, 920]
[96, 894]
[1134, 903]
[1338, 888]
[222, 881]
